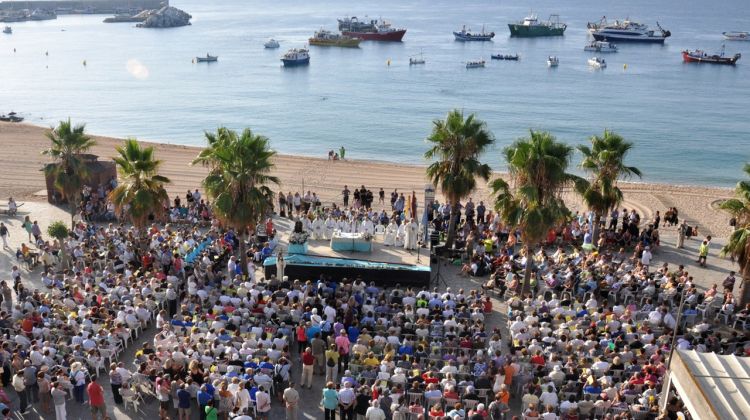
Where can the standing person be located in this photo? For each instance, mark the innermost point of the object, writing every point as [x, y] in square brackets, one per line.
[204, 397]
[703, 253]
[58, 398]
[346, 193]
[27, 225]
[681, 233]
[291, 400]
[343, 344]
[319, 351]
[332, 361]
[30, 380]
[346, 402]
[4, 234]
[20, 387]
[115, 381]
[282, 204]
[211, 412]
[183, 403]
[308, 364]
[381, 196]
[36, 231]
[263, 402]
[163, 390]
[342, 152]
[7, 295]
[657, 220]
[96, 399]
[78, 378]
[729, 282]
[301, 333]
[44, 391]
[375, 412]
[289, 204]
[330, 401]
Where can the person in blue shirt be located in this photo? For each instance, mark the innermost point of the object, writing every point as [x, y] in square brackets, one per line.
[311, 331]
[183, 402]
[353, 332]
[204, 396]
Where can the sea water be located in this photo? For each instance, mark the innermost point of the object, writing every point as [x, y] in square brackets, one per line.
[689, 122]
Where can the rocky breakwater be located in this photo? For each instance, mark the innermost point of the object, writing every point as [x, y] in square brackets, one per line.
[166, 17]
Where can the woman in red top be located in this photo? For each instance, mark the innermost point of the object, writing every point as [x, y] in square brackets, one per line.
[436, 412]
[301, 337]
[538, 358]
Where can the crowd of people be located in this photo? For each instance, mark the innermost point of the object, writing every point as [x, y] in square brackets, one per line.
[589, 336]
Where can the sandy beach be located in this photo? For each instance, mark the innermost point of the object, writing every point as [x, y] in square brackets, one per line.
[21, 161]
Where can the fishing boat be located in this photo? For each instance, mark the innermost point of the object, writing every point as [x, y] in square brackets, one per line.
[628, 31]
[416, 59]
[271, 44]
[553, 61]
[11, 117]
[8, 30]
[473, 64]
[207, 59]
[531, 27]
[597, 62]
[466, 35]
[504, 57]
[601, 47]
[325, 38]
[296, 57]
[700, 56]
[374, 30]
[736, 36]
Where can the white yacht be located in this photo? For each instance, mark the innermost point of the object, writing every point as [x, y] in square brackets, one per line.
[553, 61]
[597, 63]
[271, 43]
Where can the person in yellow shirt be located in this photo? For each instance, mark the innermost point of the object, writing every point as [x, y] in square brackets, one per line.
[703, 253]
[371, 360]
[332, 362]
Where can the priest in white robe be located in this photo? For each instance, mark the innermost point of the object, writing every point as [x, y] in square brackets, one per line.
[346, 226]
[318, 227]
[411, 235]
[307, 224]
[368, 226]
[400, 235]
[390, 234]
[330, 226]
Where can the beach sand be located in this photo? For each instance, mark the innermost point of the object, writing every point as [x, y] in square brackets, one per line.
[21, 162]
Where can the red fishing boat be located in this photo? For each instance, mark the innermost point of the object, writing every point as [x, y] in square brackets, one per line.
[700, 56]
[374, 30]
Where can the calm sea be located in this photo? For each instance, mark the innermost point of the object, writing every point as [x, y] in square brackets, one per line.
[689, 122]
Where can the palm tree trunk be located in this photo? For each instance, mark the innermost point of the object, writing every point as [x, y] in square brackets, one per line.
[596, 229]
[73, 202]
[455, 210]
[526, 285]
[744, 292]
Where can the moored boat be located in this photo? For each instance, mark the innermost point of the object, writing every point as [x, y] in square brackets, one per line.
[296, 57]
[513, 57]
[417, 59]
[597, 62]
[531, 27]
[374, 30]
[601, 47]
[700, 56]
[207, 59]
[271, 44]
[628, 31]
[11, 117]
[473, 64]
[736, 36]
[553, 61]
[466, 35]
[325, 38]
[8, 30]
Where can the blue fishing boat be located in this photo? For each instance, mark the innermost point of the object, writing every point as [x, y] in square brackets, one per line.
[466, 35]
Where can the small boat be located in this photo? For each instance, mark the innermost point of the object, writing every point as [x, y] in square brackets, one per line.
[531, 27]
[271, 44]
[207, 59]
[417, 59]
[737, 36]
[8, 30]
[505, 57]
[466, 35]
[553, 61]
[296, 57]
[601, 47]
[11, 117]
[325, 38]
[597, 63]
[700, 56]
[474, 64]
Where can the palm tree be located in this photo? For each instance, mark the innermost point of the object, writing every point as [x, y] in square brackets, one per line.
[605, 162]
[457, 144]
[532, 201]
[738, 246]
[68, 170]
[141, 190]
[238, 180]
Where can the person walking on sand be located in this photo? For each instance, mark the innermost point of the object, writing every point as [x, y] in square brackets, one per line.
[4, 234]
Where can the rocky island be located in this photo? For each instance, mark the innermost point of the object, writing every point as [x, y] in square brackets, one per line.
[166, 17]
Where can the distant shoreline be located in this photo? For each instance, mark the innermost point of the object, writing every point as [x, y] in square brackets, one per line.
[21, 162]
